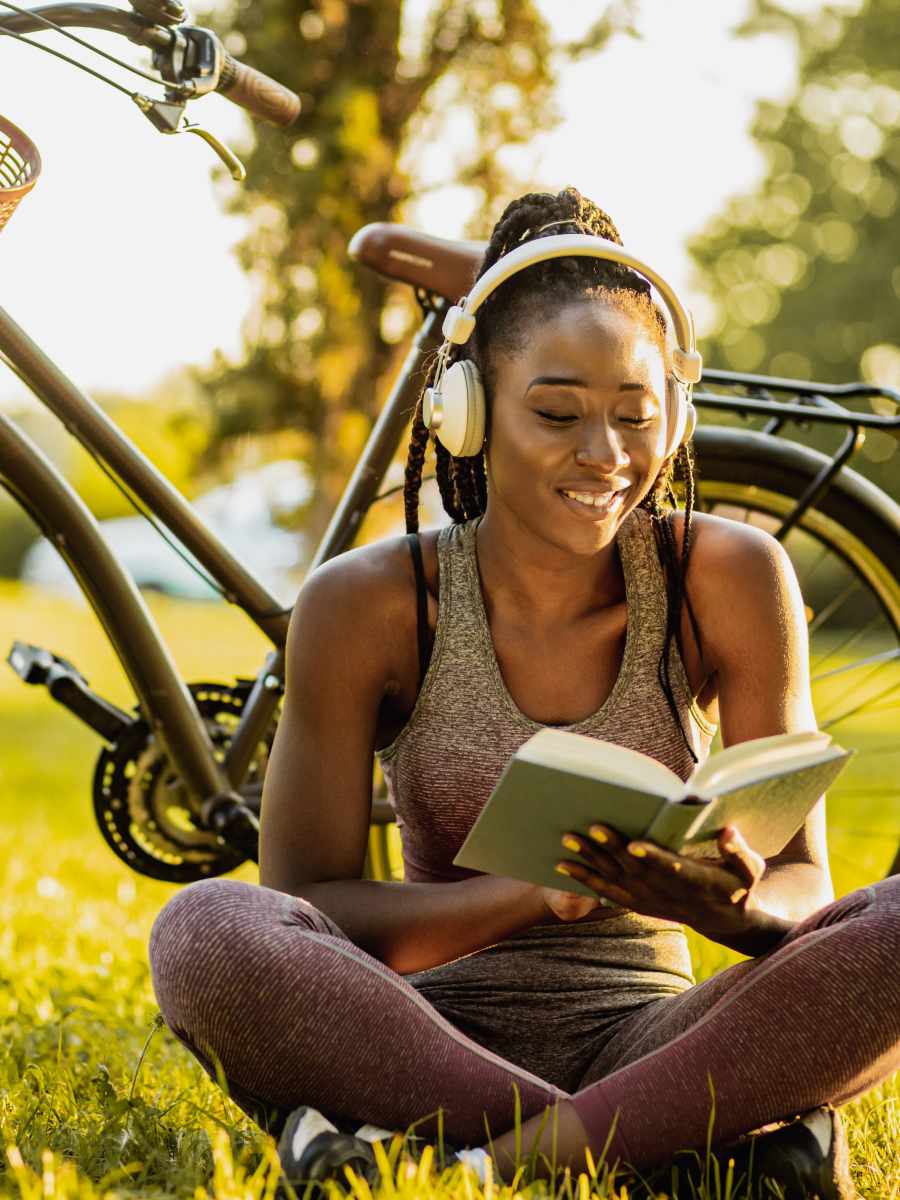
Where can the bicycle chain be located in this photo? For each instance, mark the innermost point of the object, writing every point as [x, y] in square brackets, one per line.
[140, 804]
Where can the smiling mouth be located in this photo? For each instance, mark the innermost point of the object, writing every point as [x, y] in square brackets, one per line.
[597, 504]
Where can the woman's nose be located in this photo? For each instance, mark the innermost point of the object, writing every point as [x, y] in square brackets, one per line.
[601, 448]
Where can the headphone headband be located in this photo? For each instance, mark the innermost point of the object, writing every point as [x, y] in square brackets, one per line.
[459, 321]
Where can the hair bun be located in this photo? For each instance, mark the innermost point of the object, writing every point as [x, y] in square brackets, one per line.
[530, 215]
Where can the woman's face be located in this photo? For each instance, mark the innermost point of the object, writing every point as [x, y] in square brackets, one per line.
[577, 425]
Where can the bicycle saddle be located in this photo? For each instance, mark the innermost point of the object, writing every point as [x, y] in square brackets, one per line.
[438, 265]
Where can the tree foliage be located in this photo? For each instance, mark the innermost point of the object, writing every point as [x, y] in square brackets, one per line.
[803, 271]
[377, 92]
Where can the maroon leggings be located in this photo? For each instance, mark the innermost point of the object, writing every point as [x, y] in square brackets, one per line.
[295, 1013]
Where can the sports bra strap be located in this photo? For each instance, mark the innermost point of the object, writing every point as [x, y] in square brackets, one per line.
[415, 549]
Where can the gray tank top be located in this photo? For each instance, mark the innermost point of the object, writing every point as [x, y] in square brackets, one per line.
[465, 726]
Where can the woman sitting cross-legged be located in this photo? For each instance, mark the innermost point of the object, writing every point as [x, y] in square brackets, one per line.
[566, 591]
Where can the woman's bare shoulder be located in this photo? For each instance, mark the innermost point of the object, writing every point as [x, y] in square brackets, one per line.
[740, 580]
[364, 598]
[731, 548]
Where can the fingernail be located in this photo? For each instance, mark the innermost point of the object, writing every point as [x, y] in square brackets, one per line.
[636, 850]
[676, 866]
[562, 869]
[570, 843]
[731, 847]
[598, 833]
[737, 894]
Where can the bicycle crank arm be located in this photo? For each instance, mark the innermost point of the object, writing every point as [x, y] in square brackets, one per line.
[229, 817]
[69, 688]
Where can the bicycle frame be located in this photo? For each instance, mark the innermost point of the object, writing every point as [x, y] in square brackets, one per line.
[162, 696]
[41, 490]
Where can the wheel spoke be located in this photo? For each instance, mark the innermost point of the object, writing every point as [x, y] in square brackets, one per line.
[852, 712]
[854, 636]
[834, 606]
[882, 659]
[868, 834]
[810, 571]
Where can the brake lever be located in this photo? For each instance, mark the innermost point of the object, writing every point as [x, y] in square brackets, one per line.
[167, 116]
[236, 168]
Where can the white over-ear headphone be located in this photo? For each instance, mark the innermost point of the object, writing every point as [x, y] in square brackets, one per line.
[454, 406]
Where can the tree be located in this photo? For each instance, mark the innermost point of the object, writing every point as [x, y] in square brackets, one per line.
[323, 340]
[803, 271]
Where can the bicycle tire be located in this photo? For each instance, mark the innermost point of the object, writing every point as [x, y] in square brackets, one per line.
[772, 466]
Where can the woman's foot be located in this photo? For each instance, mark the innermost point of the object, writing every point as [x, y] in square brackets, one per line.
[311, 1148]
[808, 1157]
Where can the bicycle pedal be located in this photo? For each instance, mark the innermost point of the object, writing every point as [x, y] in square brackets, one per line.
[35, 665]
[68, 687]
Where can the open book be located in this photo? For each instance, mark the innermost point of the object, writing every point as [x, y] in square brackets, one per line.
[559, 781]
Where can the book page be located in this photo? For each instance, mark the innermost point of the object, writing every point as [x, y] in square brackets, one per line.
[770, 811]
[601, 760]
[740, 765]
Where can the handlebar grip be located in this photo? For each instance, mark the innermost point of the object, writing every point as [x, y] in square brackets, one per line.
[258, 93]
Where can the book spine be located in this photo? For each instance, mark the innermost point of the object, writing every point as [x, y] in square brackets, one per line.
[674, 822]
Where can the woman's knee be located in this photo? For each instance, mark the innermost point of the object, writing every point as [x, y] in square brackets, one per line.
[871, 916]
[212, 938]
[886, 895]
[190, 932]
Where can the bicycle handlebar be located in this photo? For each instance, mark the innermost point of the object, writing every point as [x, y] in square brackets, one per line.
[87, 16]
[259, 94]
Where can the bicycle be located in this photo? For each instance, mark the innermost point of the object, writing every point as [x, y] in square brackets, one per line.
[177, 785]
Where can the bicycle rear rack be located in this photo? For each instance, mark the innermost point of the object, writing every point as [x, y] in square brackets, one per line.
[808, 403]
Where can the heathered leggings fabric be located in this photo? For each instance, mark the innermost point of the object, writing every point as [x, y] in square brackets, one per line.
[269, 987]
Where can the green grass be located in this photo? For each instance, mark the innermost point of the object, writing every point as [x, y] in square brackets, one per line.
[87, 1107]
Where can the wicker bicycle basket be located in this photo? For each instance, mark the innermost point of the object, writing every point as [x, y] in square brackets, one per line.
[20, 165]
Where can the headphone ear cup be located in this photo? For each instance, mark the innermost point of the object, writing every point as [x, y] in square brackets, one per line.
[691, 423]
[681, 416]
[461, 430]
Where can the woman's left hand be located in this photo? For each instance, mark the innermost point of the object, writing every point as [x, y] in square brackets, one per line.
[715, 897]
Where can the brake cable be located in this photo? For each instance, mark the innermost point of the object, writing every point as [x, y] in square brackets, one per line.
[73, 37]
[165, 115]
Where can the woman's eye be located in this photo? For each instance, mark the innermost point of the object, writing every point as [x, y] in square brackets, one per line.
[638, 422]
[556, 418]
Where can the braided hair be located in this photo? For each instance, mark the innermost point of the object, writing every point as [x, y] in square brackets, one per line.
[504, 320]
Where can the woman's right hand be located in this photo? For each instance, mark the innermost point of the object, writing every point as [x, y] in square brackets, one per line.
[568, 906]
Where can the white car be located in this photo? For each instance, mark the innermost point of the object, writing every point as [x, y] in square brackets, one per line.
[243, 514]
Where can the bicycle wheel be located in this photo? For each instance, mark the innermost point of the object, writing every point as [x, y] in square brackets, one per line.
[846, 552]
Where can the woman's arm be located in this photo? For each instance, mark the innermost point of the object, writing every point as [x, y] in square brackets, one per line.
[754, 622]
[350, 641]
[755, 650]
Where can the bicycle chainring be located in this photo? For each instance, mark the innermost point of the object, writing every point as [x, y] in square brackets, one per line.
[141, 806]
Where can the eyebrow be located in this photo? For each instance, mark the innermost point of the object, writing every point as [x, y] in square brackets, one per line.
[570, 381]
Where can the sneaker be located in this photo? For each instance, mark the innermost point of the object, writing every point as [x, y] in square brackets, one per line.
[807, 1157]
[312, 1149]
